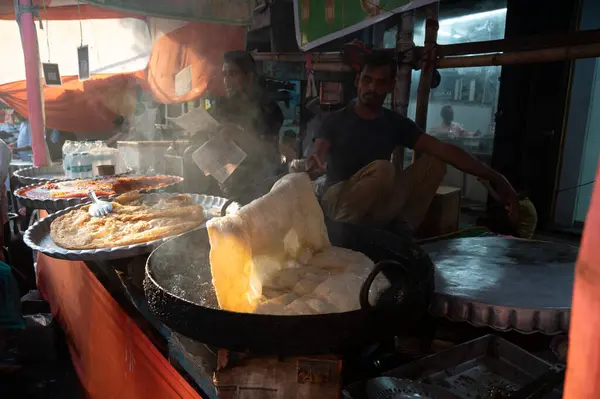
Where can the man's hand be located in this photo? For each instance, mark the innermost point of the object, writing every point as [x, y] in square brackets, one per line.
[314, 166]
[508, 196]
[464, 162]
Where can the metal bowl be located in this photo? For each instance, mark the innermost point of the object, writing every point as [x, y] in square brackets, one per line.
[37, 237]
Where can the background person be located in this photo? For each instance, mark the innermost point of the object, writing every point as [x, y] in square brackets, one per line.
[449, 128]
[253, 123]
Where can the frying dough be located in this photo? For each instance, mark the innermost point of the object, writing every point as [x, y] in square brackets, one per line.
[274, 257]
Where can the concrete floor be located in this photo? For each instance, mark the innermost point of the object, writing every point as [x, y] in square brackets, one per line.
[35, 362]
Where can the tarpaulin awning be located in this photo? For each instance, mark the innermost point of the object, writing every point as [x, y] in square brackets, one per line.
[196, 44]
[119, 45]
[90, 106]
[124, 53]
[231, 12]
[67, 10]
[321, 21]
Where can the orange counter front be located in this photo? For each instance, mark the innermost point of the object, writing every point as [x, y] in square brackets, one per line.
[112, 356]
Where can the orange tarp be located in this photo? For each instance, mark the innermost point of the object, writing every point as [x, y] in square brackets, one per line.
[112, 356]
[84, 11]
[583, 363]
[93, 105]
[89, 106]
[198, 44]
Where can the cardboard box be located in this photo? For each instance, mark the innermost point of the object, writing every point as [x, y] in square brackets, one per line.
[316, 377]
[443, 214]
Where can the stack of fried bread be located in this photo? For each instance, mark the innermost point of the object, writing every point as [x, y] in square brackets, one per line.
[135, 219]
[274, 256]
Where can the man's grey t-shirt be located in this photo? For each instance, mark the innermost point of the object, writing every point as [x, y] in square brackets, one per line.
[356, 142]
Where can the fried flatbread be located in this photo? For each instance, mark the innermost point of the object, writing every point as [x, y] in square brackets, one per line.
[133, 220]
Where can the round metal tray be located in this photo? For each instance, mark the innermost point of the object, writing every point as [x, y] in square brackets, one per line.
[37, 237]
[57, 204]
[504, 283]
[43, 174]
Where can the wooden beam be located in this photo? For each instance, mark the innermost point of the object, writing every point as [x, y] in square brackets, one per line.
[531, 42]
[522, 57]
[298, 57]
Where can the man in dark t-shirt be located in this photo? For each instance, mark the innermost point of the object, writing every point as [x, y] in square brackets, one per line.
[253, 123]
[354, 146]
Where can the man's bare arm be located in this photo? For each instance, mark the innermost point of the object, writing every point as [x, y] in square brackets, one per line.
[314, 164]
[320, 150]
[464, 162]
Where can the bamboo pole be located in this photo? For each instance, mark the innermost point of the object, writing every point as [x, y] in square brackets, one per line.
[35, 93]
[404, 44]
[331, 67]
[428, 65]
[331, 62]
[523, 43]
[523, 57]
[298, 57]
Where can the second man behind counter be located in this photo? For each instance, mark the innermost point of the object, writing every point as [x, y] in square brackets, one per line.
[253, 122]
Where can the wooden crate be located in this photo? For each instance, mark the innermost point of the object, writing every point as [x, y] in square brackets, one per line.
[443, 214]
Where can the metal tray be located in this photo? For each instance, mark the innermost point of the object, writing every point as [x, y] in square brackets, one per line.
[479, 369]
[504, 283]
[394, 388]
[57, 204]
[37, 237]
[43, 174]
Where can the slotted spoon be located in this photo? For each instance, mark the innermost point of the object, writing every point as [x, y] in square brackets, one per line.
[99, 208]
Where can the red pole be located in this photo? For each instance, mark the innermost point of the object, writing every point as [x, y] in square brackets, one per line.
[583, 365]
[31, 52]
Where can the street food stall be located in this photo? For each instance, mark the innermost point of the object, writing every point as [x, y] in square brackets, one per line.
[173, 295]
[127, 312]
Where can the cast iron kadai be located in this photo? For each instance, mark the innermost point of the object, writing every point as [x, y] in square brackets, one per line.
[179, 290]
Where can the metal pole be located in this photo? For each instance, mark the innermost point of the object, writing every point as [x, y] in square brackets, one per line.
[24, 13]
[404, 47]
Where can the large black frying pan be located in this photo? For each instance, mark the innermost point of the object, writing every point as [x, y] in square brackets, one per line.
[179, 291]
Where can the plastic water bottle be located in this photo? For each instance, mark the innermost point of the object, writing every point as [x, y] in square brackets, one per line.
[85, 165]
[75, 165]
[67, 156]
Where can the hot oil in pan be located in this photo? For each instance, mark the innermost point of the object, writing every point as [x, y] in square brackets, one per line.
[181, 267]
[195, 287]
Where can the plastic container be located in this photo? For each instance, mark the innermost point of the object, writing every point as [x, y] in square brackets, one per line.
[141, 155]
[103, 156]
